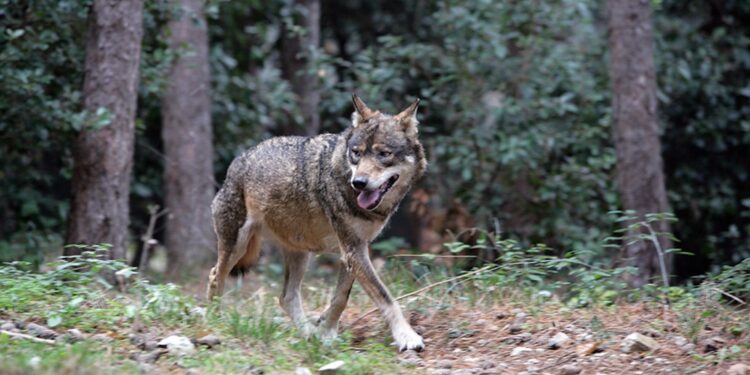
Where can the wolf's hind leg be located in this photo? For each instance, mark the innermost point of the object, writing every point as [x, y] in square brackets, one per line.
[295, 264]
[329, 320]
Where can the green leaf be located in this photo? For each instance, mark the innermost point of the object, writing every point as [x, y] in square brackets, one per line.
[54, 321]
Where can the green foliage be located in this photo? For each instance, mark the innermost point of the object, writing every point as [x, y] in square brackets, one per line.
[515, 112]
[704, 70]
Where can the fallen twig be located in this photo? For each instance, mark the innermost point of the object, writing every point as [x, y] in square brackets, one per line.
[736, 299]
[27, 337]
[428, 287]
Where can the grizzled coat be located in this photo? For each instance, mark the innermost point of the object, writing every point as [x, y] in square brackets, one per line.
[331, 192]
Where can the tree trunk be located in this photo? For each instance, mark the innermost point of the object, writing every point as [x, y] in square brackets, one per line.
[639, 174]
[188, 144]
[104, 157]
[296, 63]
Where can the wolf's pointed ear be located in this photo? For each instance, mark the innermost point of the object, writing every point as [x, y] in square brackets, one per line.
[408, 117]
[361, 113]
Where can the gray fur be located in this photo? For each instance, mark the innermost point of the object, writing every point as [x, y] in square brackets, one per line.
[297, 192]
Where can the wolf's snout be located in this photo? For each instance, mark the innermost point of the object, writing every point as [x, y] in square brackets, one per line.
[359, 183]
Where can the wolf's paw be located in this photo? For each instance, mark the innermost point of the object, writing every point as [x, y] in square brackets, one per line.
[307, 329]
[327, 335]
[407, 339]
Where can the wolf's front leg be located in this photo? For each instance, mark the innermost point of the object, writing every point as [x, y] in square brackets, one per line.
[358, 260]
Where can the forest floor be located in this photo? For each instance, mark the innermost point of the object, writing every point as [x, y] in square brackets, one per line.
[466, 331]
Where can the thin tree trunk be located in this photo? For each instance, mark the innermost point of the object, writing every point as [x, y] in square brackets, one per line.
[639, 174]
[296, 63]
[104, 157]
[188, 145]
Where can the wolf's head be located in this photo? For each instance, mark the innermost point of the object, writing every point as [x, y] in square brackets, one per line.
[384, 154]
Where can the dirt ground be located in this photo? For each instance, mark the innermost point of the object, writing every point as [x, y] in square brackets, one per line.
[463, 341]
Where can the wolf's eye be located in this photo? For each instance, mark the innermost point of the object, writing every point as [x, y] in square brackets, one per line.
[385, 154]
[356, 153]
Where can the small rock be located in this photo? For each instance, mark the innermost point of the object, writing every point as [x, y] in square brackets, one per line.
[302, 371]
[680, 341]
[150, 357]
[515, 328]
[518, 351]
[713, 344]
[35, 361]
[209, 340]
[137, 340]
[150, 345]
[444, 363]
[515, 339]
[739, 369]
[101, 337]
[586, 349]
[558, 340]
[410, 357]
[331, 368]
[454, 333]
[7, 326]
[74, 334]
[636, 342]
[192, 371]
[178, 345]
[570, 370]
[486, 365]
[41, 331]
[502, 315]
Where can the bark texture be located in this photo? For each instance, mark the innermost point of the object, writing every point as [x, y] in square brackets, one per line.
[188, 145]
[104, 157]
[639, 175]
[295, 62]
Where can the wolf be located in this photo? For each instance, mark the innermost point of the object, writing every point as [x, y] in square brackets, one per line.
[327, 193]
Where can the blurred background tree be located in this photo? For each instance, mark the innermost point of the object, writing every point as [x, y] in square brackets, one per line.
[515, 112]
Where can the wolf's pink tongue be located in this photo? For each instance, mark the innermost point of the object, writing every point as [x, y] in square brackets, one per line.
[365, 198]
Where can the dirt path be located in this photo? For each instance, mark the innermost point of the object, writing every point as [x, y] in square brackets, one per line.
[498, 341]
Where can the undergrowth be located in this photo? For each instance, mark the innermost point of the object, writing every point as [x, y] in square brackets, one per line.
[78, 292]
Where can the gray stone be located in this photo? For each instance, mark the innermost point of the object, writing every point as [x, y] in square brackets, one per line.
[331, 368]
[41, 331]
[515, 328]
[7, 326]
[570, 370]
[150, 357]
[738, 369]
[302, 371]
[101, 337]
[178, 345]
[74, 334]
[486, 365]
[636, 342]
[209, 340]
[444, 363]
[713, 344]
[558, 340]
[519, 350]
[410, 357]
[150, 345]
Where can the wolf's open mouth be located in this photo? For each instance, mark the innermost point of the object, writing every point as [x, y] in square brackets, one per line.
[369, 200]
